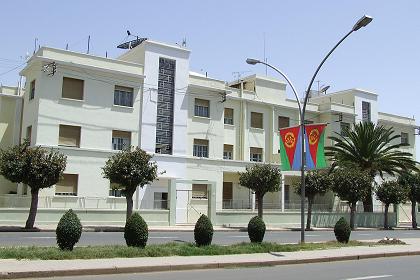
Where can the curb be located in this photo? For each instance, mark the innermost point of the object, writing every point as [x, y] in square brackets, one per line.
[210, 265]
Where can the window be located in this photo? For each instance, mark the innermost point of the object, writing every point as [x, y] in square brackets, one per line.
[201, 148]
[286, 195]
[199, 191]
[283, 122]
[256, 120]
[116, 190]
[32, 90]
[160, 200]
[29, 134]
[123, 96]
[121, 140]
[228, 116]
[69, 136]
[72, 88]
[308, 122]
[365, 111]
[344, 126]
[201, 108]
[227, 151]
[67, 185]
[404, 138]
[255, 154]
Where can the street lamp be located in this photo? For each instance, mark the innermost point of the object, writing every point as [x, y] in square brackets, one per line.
[362, 22]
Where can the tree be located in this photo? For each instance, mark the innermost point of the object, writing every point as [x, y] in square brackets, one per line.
[412, 182]
[317, 182]
[373, 149]
[351, 185]
[261, 178]
[36, 167]
[130, 168]
[391, 192]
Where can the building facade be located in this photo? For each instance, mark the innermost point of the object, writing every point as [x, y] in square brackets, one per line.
[201, 132]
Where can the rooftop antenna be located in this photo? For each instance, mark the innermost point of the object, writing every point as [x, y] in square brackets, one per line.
[88, 44]
[67, 46]
[184, 42]
[36, 43]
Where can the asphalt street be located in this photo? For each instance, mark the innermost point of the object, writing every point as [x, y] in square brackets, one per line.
[384, 268]
[116, 238]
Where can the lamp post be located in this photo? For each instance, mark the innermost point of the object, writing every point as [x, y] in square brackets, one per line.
[362, 22]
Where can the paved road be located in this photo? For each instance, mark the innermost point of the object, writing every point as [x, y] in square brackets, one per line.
[385, 268]
[111, 238]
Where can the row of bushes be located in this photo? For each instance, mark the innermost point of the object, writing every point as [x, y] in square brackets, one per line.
[136, 232]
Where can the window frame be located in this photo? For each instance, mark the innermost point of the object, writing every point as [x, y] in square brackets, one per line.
[406, 137]
[120, 145]
[259, 156]
[226, 152]
[201, 110]
[77, 140]
[66, 194]
[122, 96]
[205, 196]
[368, 114]
[284, 119]
[253, 122]
[229, 120]
[72, 98]
[32, 87]
[200, 149]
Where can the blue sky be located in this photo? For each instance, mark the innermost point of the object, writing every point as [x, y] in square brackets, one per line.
[384, 57]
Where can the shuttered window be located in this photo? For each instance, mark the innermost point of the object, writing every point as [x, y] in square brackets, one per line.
[256, 120]
[202, 108]
[72, 88]
[227, 191]
[255, 154]
[123, 96]
[199, 191]
[227, 151]
[121, 140]
[32, 90]
[283, 122]
[69, 136]
[201, 148]
[67, 185]
[228, 119]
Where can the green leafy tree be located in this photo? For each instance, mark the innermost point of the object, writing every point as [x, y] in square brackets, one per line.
[373, 149]
[130, 168]
[351, 185]
[391, 192]
[36, 167]
[261, 178]
[412, 181]
[317, 182]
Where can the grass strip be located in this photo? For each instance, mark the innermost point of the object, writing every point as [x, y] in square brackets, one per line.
[162, 250]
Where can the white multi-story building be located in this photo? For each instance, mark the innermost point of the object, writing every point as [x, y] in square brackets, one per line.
[201, 131]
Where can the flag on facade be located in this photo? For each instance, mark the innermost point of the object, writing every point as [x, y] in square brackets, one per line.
[290, 148]
[314, 142]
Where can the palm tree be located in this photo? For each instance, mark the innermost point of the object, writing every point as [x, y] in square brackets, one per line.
[373, 149]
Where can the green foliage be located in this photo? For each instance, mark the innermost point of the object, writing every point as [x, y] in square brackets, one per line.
[391, 192]
[317, 182]
[351, 184]
[69, 230]
[342, 231]
[256, 229]
[261, 178]
[203, 231]
[136, 231]
[130, 168]
[412, 181]
[35, 166]
[371, 147]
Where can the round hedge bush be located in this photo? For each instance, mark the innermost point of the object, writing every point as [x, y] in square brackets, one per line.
[256, 229]
[68, 231]
[342, 231]
[203, 231]
[136, 231]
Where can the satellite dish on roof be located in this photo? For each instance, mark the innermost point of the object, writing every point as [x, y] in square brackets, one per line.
[324, 89]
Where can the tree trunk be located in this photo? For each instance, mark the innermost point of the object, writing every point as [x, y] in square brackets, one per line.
[34, 207]
[368, 203]
[129, 199]
[309, 217]
[414, 214]
[386, 226]
[352, 215]
[260, 206]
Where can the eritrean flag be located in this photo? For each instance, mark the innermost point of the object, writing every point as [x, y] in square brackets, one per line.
[290, 148]
[314, 142]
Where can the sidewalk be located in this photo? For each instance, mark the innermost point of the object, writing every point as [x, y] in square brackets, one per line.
[12, 269]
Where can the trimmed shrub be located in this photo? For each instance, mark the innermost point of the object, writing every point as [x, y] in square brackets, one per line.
[342, 231]
[203, 231]
[69, 230]
[136, 231]
[256, 229]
